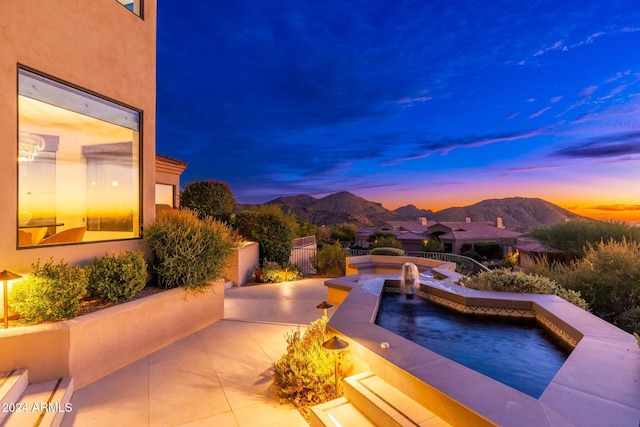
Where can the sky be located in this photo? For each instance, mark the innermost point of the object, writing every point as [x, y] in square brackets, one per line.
[434, 103]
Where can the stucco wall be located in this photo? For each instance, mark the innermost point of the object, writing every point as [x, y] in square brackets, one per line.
[98, 46]
[94, 345]
[243, 264]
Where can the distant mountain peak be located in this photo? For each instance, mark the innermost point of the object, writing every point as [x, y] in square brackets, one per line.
[517, 213]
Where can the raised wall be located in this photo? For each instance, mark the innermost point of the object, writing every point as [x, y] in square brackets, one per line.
[94, 345]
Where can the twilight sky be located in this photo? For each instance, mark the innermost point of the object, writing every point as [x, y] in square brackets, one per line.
[437, 103]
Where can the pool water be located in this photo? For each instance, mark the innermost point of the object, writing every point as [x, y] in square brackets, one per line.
[515, 352]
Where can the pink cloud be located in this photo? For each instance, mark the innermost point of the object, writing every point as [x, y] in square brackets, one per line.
[539, 112]
[588, 91]
[556, 99]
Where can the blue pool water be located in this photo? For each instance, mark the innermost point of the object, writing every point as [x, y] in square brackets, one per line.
[517, 353]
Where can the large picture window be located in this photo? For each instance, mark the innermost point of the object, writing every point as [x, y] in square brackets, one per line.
[78, 165]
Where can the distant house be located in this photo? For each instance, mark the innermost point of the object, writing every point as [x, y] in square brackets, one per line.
[457, 237]
[530, 249]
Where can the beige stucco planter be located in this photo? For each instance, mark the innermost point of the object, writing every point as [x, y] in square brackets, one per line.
[91, 346]
[243, 263]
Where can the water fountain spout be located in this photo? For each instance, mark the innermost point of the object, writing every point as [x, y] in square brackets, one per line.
[410, 279]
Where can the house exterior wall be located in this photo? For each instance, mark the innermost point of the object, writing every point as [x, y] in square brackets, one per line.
[168, 172]
[98, 46]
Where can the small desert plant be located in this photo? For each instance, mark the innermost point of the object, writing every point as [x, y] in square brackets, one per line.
[117, 278]
[188, 251]
[637, 338]
[387, 251]
[509, 281]
[331, 260]
[275, 273]
[304, 375]
[51, 292]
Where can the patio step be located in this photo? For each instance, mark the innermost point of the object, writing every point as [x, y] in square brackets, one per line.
[39, 404]
[12, 385]
[337, 413]
[370, 401]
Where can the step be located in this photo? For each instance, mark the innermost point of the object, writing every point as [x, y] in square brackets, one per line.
[12, 385]
[42, 404]
[388, 406]
[338, 413]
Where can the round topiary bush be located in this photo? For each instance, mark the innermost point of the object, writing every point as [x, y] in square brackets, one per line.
[117, 278]
[51, 292]
[387, 251]
[209, 198]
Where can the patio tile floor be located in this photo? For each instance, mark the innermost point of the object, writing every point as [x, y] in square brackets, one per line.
[218, 376]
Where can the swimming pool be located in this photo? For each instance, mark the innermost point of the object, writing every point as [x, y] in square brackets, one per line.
[516, 352]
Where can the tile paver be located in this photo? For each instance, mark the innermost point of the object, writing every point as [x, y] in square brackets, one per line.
[218, 376]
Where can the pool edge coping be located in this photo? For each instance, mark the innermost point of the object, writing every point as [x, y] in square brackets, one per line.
[611, 394]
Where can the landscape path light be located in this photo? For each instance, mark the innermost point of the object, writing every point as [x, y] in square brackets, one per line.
[335, 344]
[5, 276]
[324, 306]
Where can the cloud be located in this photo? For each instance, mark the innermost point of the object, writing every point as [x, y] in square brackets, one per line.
[446, 145]
[533, 168]
[622, 144]
[556, 46]
[408, 100]
[512, 116]
[630, 29]
[616, 208]
[556, 99]
[588, 91]
[539, 112]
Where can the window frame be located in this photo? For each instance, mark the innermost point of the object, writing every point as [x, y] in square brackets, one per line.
[140, 173]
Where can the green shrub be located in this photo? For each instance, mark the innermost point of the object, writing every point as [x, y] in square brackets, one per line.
[387, 251]
[51, 292]
[275, 273]
[510, 281]
[188, 251]
[271, 230]
[383, 239]
[331, 260]
[629, 320]
[489, 250]
[608, 277]
[433, 245]
[209, 198]
[637, 338]
[343, 232]
[574, 236]
[117, 278]
[473, 255]
[304, 375]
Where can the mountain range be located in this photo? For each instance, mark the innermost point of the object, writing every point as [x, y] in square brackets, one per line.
[517, 213]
